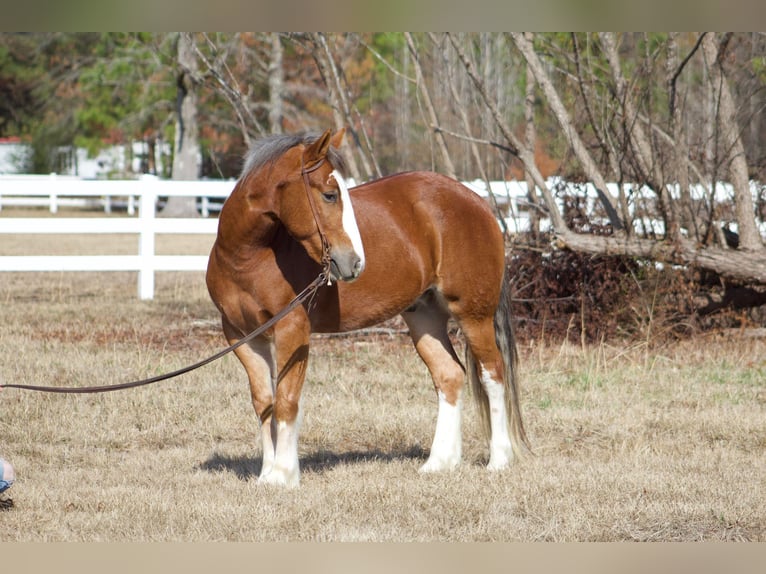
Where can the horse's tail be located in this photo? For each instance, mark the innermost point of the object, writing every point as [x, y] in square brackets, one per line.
[506, 343]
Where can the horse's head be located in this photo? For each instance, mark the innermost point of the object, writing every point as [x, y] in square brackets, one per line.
[315, 207]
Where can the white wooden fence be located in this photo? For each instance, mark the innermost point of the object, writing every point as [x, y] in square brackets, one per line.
[56, 191]
[146, 226]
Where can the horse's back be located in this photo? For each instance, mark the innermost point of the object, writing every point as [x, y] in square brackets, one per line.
[433, 202]
[448, 221]
[427, 186]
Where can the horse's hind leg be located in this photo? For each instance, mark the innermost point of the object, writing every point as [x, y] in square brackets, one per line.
[486, 372]
[427, 321]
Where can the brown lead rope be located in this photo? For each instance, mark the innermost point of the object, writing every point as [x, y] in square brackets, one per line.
[300, 298]
[321, 279]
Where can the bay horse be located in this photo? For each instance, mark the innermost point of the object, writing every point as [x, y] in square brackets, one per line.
[416, 244]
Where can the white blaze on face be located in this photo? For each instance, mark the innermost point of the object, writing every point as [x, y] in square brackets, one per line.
[349, 220]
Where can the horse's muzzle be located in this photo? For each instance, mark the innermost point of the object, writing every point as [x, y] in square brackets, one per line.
[346, 266]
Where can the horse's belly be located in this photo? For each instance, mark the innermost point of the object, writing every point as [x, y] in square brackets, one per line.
[365, 304]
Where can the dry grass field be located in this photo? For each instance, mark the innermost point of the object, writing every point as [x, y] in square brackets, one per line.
[633, 442]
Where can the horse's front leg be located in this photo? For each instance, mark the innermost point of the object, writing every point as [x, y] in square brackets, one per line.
[257, 357]
[292, 351]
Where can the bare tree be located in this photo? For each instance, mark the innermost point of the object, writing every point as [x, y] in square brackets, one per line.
[635, 126]
[530, 140]
[514, 146]
[186, 158]
[680, 167]
[606, 96]
[525, 46]
[441, 142]
[276, 84]
[230, 87]
[341, 109]
[730, 146]
[647, 161]
[474, 146]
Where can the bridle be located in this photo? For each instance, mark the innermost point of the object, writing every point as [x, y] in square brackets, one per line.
[326, 261]
[324, 277]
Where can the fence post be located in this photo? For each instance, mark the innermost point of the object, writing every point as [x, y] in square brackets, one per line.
[147, 207]
[54, 205]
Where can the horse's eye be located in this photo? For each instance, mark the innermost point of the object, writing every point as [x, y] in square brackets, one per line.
[330, 196]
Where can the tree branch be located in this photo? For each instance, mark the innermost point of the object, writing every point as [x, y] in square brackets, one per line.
[525, 155]
[472, 139]
[736, 264]
[573, 138]
[440, 141]
[680, 69]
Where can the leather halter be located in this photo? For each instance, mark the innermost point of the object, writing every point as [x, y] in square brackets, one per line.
[315, 212]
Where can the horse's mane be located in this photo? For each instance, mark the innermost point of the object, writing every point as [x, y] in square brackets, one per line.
[270, 148]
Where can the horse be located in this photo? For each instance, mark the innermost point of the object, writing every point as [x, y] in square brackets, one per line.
[416, 244]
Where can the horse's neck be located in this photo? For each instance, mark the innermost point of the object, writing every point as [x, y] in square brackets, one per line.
[249, 219]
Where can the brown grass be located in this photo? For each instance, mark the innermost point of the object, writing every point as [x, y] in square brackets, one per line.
[632, 443]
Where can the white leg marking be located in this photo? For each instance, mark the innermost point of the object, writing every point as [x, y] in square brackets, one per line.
[265, 351]
[349, 220]
[285, 470]
[500, 449]
[268, 434]
[447, 445]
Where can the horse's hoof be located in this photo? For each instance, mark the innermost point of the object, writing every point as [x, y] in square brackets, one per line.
[499, 463]
[433, 465]
[279, 477]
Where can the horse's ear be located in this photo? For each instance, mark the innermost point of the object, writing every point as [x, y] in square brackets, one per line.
[317, 151]
[337, 138]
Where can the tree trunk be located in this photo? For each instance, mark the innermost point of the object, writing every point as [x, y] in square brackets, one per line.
[526, 156]
[736, 264]
[404, 123]
[639, 142]
[530, 140]
[576, 143]
[433, 118]
[186, 159]
[276, 84]
[323, 58]
[474, 148]
[680, 160]
[732, 147]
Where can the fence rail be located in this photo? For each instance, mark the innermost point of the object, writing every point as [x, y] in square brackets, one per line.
[54, 191]
[146, 226]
